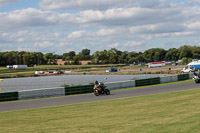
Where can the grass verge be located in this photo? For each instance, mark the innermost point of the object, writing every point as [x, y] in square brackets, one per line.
[169, 112]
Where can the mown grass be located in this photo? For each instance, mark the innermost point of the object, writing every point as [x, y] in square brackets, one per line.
[166, 113]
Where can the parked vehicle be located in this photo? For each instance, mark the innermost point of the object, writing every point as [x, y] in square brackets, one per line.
[156, 64]
[101, 90]
[191, 67]
[112, 69]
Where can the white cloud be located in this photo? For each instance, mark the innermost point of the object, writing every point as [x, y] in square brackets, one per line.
[196, 1]
[175, 34]
[101, 4]
[76, 34]
[5, 2]
[31, 17]
[45, 44]
[26, 48]
[114, 45]
[122, 24]
[106, 32]
[194, 26]
[133, 43]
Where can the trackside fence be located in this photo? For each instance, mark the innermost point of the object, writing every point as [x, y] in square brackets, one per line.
[69, 90]
[149, 81]
[183, 77]
[81, 89]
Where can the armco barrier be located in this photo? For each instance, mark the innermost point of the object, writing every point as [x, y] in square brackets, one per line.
[78, 89]
[149, 81]
[8, 96]
[41, 93]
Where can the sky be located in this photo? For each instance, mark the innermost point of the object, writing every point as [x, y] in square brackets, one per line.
[61, 26]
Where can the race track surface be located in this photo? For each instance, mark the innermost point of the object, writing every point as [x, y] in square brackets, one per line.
[66, 100]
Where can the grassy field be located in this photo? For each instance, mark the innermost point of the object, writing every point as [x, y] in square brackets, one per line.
[166, 113]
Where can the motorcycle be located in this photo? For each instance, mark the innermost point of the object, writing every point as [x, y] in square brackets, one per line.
[196, 78]
[101, 90]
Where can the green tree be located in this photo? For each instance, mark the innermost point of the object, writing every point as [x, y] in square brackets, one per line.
[154, 54]
[69, 56]
[50, 58]
[85, 54]
[185, 51]
[96, 58]
[196, 52]
[172, 54]
[114, 54]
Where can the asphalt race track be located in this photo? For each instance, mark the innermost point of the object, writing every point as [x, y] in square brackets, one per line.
[66, 100]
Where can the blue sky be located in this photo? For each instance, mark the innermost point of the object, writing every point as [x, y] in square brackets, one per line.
[61, 26]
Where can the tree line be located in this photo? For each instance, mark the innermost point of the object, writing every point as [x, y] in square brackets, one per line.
[111, 56]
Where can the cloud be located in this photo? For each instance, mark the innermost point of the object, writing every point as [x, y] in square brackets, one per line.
[101, 4]
[114, 45]
[106, 32]
[158, 28]
[28, 37]
[30, 17]
[124, 24]
[76, 34]
[133, 43]
[5, 2]
[196, 1]
[44, 44]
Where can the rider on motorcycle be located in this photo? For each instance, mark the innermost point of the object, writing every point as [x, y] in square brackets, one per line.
[98, 85]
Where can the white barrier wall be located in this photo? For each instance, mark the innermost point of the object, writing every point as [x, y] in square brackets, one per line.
[191, 75]
[168, 79]
[120, 84]
[41, 93]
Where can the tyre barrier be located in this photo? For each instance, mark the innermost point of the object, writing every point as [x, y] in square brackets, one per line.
[81, 89]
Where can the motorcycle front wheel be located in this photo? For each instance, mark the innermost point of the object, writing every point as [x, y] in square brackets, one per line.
[96, 93]
[107, 92]
[196, 81]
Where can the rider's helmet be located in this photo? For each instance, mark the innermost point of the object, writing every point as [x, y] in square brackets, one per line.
[96, 83]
